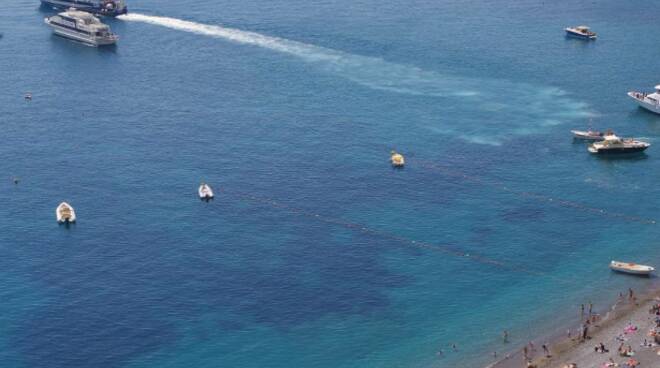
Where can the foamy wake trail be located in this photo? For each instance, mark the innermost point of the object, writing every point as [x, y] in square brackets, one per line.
[524, 105]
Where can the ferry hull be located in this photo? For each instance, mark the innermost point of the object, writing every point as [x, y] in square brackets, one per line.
[84, 6]
[655, 108]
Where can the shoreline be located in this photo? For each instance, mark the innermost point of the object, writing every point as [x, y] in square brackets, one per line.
[565, 350]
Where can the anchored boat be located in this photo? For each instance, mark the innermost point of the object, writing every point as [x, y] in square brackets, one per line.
[612, 144]
[65, 213]
[83, 27]
[100, 7]
[590, 135]
[205, 192]
[631, 268]
[650, 101]
[580, 32]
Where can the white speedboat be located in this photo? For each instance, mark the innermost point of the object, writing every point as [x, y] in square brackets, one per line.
[612, 144]
[65, 213]
[82, 27]
[397, 159]
[580, 32]
[632, 268]
[649, 101]
[205, 192]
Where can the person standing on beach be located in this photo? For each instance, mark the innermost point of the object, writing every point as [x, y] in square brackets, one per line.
[525, 355]
[581, 310]
[631, 294]
[590, 308]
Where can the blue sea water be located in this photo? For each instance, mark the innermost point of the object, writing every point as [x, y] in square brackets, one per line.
[316, 253]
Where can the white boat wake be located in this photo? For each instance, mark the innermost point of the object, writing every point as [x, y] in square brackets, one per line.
[528, 107]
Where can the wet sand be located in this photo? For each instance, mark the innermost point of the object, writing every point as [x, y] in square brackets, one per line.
[566, 350]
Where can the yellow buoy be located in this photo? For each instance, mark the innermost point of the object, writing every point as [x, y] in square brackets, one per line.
[397, 159]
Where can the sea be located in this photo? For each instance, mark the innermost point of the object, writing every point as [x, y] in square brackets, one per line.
[315, 252]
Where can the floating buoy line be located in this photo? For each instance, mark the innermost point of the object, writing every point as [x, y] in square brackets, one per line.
[501, 186]
[361, 228]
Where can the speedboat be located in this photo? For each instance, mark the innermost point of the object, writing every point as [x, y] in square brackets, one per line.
[580, 32]
[205, 192]
[100, 7]
[590, 135]
[65, 213]
[631, 268]
[82, 27]
[649, 101]
[397, 159]
[612, 144]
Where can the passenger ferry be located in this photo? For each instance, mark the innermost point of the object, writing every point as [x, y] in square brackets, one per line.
[109, 8]
[81, 26]
[649, 101]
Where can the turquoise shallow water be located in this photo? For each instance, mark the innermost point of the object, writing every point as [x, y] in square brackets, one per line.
[315, 252]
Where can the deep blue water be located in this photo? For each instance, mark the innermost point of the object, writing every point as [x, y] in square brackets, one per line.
[315, 253]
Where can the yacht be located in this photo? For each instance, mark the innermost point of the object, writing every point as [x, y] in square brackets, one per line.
[65, 213]
[83, 27]
[580, 32]
[649, 101]
[205, 192]
[613, 144]
[100, 7]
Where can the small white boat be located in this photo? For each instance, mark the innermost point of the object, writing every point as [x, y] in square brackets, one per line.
[632, 268]
[397, 159]
[590, 135]
[205, 191]
[580, 32]
[65, 213]
[649, 101]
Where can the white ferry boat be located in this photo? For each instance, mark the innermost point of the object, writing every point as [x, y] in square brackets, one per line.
[100, 7]
[650, 101]
[83, 27]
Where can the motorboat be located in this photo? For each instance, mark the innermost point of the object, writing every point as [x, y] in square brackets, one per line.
[397, 159]
[100, 7]
[649, 101]
[631, 268]
[612, 144]
[580, 32]
[590, 135]
[205, 192]
[65, 213]
[82, 27]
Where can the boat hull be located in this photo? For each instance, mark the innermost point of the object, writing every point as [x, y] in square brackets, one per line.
[580, 35]
[617, 151]
[652, 107]
[88, 6]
